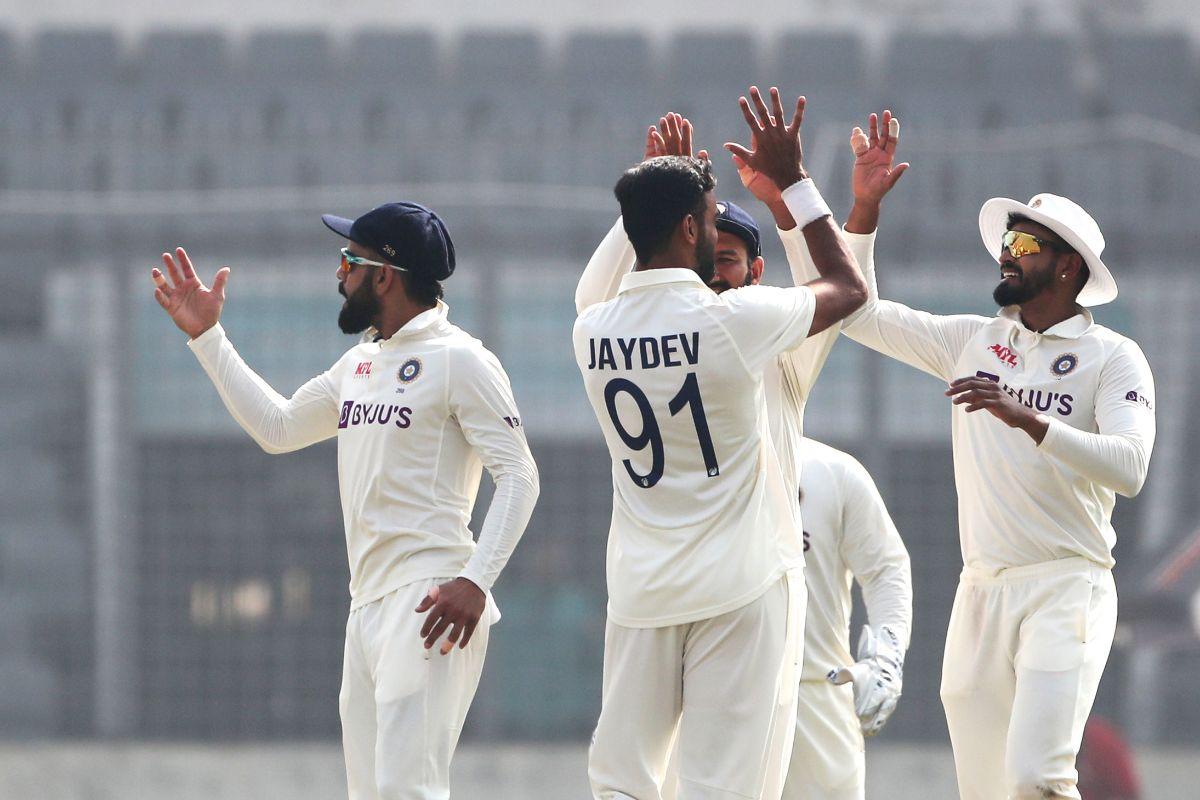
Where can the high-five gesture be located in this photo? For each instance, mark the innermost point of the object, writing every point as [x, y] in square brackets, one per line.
[672, 137]
[193, 307]
[874, 174]
[777, 153]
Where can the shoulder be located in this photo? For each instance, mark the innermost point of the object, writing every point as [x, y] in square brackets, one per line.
[842, 469]
[1117, 347]
[760, 295]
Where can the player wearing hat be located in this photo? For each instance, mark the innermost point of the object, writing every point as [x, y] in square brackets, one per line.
[418, 407]
[848, 533]
[1069, 424]
[706, 599]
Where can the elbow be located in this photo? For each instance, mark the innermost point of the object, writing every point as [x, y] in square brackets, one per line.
[1138, 465]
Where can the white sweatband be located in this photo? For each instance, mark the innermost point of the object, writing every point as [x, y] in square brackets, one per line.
[805, 202]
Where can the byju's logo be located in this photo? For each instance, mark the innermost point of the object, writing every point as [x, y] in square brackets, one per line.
[374, 414]
[1135, 397]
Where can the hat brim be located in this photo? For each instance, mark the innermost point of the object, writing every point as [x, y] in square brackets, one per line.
[339, 225]
[1100, 288]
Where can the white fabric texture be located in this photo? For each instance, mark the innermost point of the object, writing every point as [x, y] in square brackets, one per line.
[1021, 503]
[719, 689]
[1024, 654]
[703, 521]
[828, 759]
[417, 417]
[402, 706]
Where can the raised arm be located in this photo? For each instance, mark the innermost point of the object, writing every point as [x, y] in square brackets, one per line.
[777, 154]
[615, 257]
[276, 423]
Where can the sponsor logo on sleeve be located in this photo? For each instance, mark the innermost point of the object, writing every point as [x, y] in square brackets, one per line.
[1134, 396]
[1064, 365]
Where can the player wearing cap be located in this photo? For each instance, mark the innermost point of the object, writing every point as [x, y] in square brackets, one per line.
[706, 602]
[848, 533]
[1069, 424]
[418, 407]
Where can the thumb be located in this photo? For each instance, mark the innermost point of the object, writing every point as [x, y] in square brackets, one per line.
[739, 162]
[218, 287]
[738, 151]
[839, 676]
[429, 600]
[896, 173]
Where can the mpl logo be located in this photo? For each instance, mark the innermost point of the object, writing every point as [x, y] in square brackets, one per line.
[1005, 355]
[363, 370]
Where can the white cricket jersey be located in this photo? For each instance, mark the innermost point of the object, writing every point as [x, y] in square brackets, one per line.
[848, 535]
[786, 384]
[416, 416]
[1019, 502]
[703, 520]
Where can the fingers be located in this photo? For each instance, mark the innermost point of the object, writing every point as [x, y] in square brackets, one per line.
[760, 105]
[172, 269]
[161, 297]
[185, 263]
[467, 632]
[896, 173]
[739, 152]
[686, 150]
[738, 162]
[751, 120]
[702, 155]
[428, 601]
[218, 287]
[873, 129]
[858, 142]
[890, 130]
[452, 638]
[777, 106]
[839, 677]
[436, 632]
[798, 117]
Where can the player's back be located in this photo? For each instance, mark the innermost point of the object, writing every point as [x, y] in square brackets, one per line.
[702, 520]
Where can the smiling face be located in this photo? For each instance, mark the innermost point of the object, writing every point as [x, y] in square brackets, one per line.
[733, 265]
[1024, 278]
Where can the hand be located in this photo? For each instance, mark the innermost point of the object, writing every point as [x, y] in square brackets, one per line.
[874, 176]
[982, 393]
[457, 605]
[192, 306]
[672, 137]
[755, 182]
[877, 677]
[777, 152]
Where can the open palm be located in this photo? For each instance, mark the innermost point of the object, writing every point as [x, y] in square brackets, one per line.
[192, 306]
[874, 154]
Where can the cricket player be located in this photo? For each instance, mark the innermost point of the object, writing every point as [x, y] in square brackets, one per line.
[706, 600]
[1053, 416]
[418, 407]
[855, 537]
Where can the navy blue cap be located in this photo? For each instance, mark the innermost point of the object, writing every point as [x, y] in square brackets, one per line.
[407, 235]
[734, 219]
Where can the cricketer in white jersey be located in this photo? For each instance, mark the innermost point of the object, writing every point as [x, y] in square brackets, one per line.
[418, 407]
[705, 602]
[1070, 424]
[827, 757]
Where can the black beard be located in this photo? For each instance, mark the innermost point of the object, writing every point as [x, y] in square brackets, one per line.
[360, 310]
[1025, 290]
[719, 286]
[706, 261]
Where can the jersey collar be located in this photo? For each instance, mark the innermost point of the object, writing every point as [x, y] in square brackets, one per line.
[1071, 328]
[658, 277]
[416, 326]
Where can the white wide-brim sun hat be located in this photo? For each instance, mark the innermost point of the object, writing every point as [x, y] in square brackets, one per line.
[1068, 220]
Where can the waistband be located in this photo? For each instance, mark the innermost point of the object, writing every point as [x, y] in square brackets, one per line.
[1060, 566]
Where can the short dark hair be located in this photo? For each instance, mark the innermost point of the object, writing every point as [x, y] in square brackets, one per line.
[657, 194]
[420, 288]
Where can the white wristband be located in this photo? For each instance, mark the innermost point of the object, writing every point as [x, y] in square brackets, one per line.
[805, 202]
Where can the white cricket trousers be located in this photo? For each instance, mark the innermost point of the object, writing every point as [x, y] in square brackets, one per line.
[1024, 655]
[828, 762]
[403, 706]
[721, 690]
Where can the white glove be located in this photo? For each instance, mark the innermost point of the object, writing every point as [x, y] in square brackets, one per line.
[877, 677]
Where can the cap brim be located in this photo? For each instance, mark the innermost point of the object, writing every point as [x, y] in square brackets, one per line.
[339, 225]
[1101, 288]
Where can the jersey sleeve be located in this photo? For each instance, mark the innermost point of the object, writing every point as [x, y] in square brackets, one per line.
[1117, 455]
[872, 549]
[805, 362]
[765, 321]
[602, 277]
[276, 423]
[930, 342]
[481, 400]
